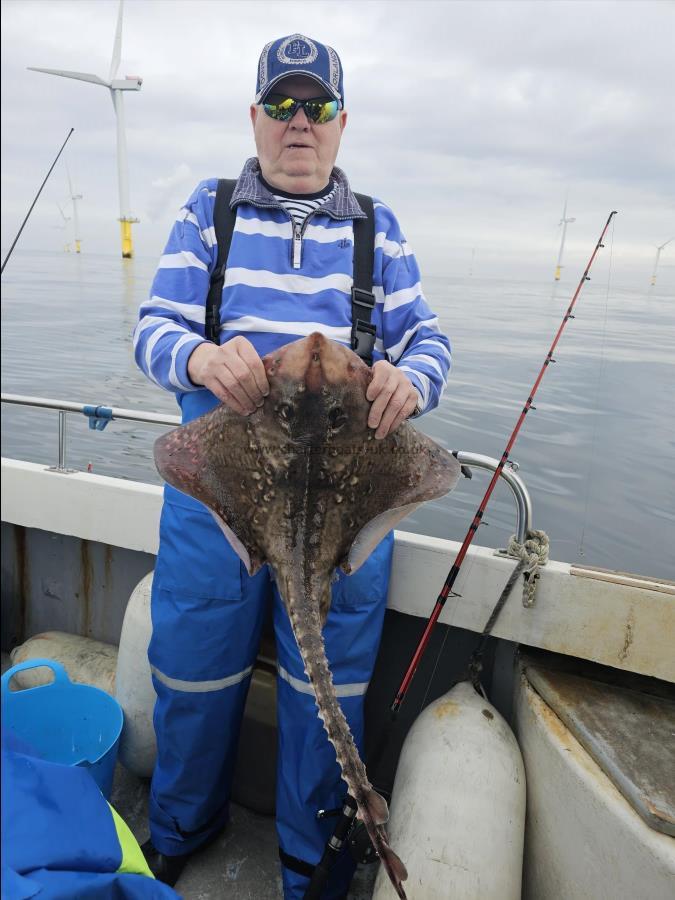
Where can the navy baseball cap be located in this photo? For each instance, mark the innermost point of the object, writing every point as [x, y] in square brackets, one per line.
[299, 55]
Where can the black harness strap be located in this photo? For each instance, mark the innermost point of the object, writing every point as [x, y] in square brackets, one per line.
[363, 299]
[223, 223]
[296, 865]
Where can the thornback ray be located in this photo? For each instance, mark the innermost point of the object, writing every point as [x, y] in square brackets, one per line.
[303, 485]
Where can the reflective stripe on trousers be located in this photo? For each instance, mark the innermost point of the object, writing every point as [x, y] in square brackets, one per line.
[207, 619]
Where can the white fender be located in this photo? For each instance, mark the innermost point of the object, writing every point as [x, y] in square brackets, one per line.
[133, 688]
[85, 660]
[458, 807]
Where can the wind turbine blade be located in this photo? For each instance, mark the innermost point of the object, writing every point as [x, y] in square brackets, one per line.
[80, 76]
[117, 46]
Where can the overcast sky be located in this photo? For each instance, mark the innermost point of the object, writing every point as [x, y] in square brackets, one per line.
[471, 119]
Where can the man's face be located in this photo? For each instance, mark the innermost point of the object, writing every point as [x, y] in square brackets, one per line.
[297, 156]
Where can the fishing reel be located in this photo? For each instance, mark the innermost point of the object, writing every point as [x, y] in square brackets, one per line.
[358, 840]
[360, 846]
[351, 831]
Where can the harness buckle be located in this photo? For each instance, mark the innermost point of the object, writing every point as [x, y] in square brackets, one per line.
[363, 331]
[363, 340]
[362, 298]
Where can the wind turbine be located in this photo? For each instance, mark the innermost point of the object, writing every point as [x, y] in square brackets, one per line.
[64, 228]
[76, 221]
[564, 222]
[656, 261]
[116, 86]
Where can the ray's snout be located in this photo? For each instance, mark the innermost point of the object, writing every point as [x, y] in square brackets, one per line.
[315, 361]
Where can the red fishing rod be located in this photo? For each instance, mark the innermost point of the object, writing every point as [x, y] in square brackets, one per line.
[473, 528]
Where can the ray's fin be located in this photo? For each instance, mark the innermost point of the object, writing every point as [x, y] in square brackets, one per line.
[371, 535]
[377, 811]
[191, 459]
[394, 868]
[377, 807]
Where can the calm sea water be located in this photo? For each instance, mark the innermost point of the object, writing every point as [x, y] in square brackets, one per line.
[597, 454]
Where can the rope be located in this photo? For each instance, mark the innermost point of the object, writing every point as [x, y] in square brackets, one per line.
[533, 553]
[530, 555]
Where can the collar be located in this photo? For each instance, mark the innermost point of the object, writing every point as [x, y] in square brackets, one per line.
[250, 189]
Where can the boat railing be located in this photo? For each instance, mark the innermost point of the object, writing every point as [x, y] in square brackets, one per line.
[99, 416]
[521, 495]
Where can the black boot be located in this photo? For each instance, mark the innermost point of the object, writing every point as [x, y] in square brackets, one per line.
[166, 869]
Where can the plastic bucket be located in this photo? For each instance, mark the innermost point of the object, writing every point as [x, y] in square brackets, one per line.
[62, 722]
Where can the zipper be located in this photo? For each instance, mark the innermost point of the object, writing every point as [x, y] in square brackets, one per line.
[296, 252]
[296, 242]
[298, 233]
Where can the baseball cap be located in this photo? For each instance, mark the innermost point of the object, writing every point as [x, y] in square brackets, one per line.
[299, 55]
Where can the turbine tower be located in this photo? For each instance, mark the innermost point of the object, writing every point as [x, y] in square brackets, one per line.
[64, 228]
[656, 261]
[564, 222]
[76, 220]
[116, 86]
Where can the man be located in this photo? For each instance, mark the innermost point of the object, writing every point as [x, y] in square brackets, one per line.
[289, 273]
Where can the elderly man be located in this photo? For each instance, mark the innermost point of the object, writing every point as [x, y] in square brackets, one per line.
[289, 273]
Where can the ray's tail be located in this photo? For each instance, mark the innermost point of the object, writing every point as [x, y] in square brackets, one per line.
[372, 808]
[374, 813]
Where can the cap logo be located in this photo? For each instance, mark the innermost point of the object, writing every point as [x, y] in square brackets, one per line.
[298, 53]
[297, 50]
[334, 67]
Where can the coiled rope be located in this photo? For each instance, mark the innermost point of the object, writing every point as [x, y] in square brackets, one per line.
[531, 554]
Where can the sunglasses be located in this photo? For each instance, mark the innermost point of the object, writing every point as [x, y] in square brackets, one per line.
[319, 110]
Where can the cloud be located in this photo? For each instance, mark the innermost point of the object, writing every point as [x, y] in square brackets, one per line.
[472, 119]
[168, 192]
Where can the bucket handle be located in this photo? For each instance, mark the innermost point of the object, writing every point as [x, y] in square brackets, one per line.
[60, 674]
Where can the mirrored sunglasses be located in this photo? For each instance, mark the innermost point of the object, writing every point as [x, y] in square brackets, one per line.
[318, 110]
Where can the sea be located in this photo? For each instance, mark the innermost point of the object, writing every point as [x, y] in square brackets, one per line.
[596, 451]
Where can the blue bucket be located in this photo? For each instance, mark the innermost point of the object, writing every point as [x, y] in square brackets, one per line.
[62, 722]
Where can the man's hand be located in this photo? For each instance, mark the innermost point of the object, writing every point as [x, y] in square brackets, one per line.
[233, 372]
[393, 397]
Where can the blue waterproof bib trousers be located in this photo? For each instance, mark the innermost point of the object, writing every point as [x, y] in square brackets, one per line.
[207, 616]
[207, 612]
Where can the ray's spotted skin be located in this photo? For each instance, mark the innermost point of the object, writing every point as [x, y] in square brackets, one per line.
[302, 485]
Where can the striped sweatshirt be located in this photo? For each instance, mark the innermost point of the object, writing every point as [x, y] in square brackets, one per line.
[282, 284]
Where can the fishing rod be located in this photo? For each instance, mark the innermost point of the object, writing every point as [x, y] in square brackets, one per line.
[35, 201]
[473, 528]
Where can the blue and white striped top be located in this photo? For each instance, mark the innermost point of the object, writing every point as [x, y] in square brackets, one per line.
[301, 205]
[278, 289]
